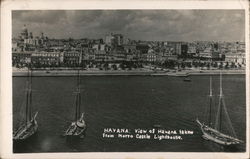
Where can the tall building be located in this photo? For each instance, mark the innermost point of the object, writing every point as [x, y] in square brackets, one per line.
[41, 35]
[181, 48]
[178, 48]
[31, 35]
[184, 50]
[109, 39]
[24, 32]
[118, 39]
[216, 46]
[114, 40]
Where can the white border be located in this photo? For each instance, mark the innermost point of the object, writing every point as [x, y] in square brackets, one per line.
[6, 70]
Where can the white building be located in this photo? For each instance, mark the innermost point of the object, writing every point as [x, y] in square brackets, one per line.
[236, 58]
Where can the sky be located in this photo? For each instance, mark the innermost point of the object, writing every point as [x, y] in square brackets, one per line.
[155, 25]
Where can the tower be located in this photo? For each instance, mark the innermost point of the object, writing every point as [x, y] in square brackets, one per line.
[31, 35]
[24, 32]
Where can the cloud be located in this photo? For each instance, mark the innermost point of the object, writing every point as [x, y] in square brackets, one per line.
[179, 25]
[47, 17]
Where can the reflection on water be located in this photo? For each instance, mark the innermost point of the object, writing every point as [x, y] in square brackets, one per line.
[127, 102]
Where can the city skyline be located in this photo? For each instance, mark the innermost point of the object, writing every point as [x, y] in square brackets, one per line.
[148, 25]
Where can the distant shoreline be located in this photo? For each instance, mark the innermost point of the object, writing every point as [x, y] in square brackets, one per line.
[183, 73]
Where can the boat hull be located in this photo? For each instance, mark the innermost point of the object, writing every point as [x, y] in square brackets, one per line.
[217, 137]
[76, 129]
[187, 80]
[25, 131]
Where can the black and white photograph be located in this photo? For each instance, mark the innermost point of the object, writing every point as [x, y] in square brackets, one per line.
[129, 80]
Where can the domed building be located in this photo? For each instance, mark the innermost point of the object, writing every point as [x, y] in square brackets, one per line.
[26, 41]
[24, 32]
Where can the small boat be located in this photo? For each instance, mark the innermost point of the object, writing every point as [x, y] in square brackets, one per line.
[78, 126]
[29, 126]
[157, 126]
[215, 132]
[187, 79]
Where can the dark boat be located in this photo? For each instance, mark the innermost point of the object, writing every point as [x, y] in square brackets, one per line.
[215, 132]
[187, 79]
[78, 126]
[29, 126]
[157, 126]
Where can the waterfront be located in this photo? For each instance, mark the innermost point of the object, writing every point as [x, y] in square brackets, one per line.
[135, 72]
[127, 102]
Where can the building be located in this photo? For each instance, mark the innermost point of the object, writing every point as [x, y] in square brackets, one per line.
[109, 39]
[118, 39]
[150, 56]
[207, 53]
[21, 58]
[170, 57]
[100, 55]
[47, 58]
[236, 58]
[88, 55]
[178, 48]
[184, 50]
[28, 42]
[24, 33]
[216, 55]
[101, 47]
[131, 57]
[191, 49]
[142, 48]
[118, 55]
[72, 58]
[114, 40]
[129, 48]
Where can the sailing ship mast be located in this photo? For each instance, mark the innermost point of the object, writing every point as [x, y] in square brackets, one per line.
[78, 98]
[78, 126]
[210, 103]
[28, 98]
[30, 126]
[220, 115]
[216, 134]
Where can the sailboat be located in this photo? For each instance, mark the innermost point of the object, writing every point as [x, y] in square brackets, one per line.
[29, 126]
[215, 133]
[78, 126]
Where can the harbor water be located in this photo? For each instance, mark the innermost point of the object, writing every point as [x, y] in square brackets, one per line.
[126, 102]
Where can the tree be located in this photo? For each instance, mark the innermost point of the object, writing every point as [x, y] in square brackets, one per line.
[221, 65]
[114, 66]
[232, 65]
[183, 65]
[122, 66]
[215, 65]
[106, 65]
[227, 66]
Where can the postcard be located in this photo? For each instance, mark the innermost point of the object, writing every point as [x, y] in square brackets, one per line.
[116, 79]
